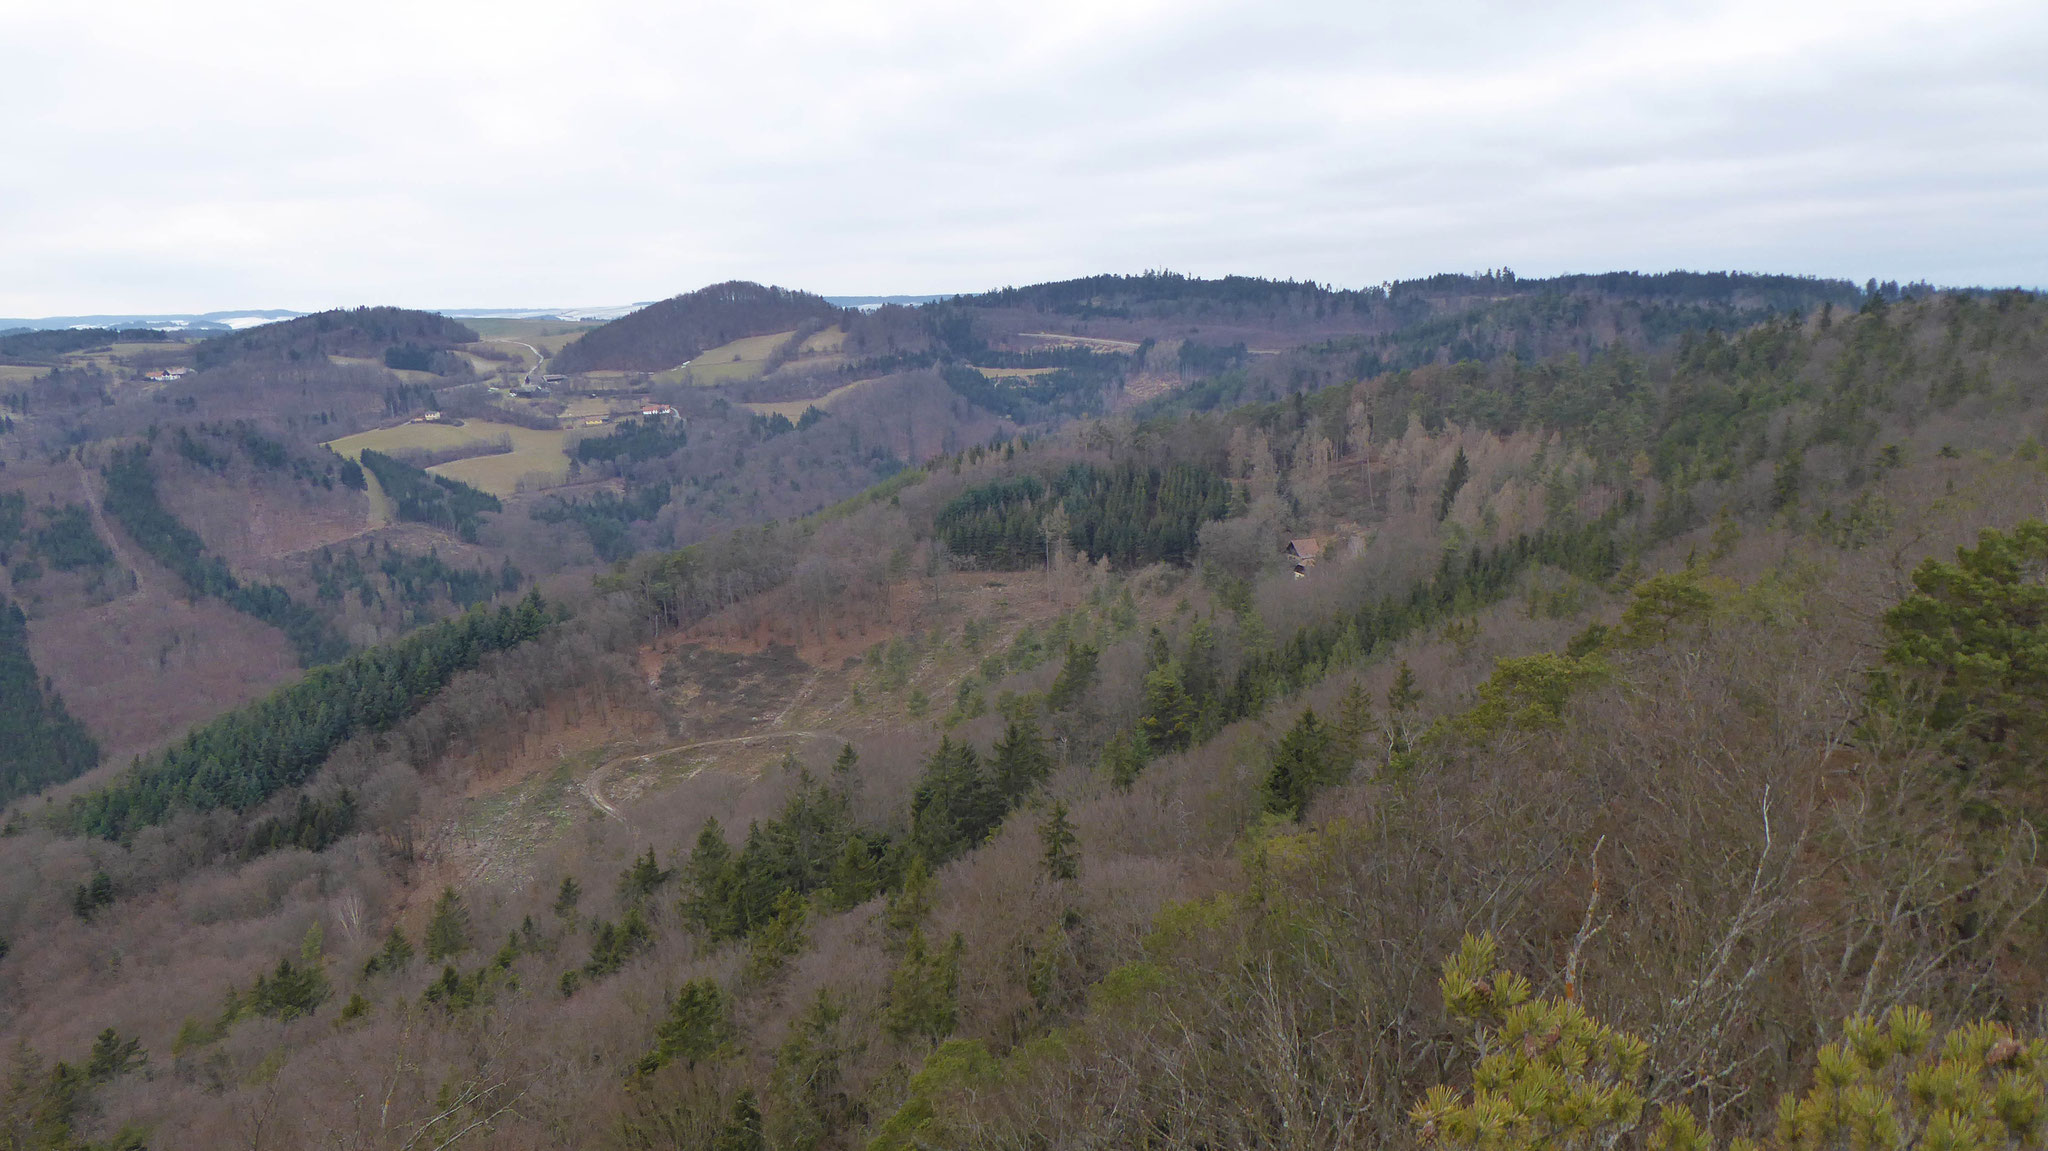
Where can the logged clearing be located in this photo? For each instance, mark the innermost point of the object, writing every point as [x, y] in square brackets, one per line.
[537, 457]
[795, 408]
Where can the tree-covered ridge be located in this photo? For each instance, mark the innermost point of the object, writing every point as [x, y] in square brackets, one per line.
[423, 497]
[634, 440]
[244, 757]
[367, 333]
[1164, 293]
[661, 336]
[1131, 514]
[414, 581]
[43, 347]
[132, 500]
[40, 743]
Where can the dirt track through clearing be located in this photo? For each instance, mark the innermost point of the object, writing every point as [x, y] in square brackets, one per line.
[592, 785]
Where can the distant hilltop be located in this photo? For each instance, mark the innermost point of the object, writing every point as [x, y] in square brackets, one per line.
[215, 323]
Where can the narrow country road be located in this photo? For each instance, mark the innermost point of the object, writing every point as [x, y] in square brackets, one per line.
[539, 360]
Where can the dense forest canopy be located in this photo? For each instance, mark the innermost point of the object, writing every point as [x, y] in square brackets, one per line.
[1158, 293]
[1130, 515]
[40, 743]
[423, 497]
[43, 346]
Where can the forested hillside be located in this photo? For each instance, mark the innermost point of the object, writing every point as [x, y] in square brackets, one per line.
[399, 337]
[132, 501]
[40, 744]
[1667, 705]
[661, 336]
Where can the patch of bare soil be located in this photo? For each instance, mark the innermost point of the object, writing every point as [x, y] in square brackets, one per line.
[718, 694]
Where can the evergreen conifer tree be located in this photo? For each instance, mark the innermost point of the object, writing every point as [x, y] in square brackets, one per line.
[1301, 766]
[743, 1130]
[855, 877]
[642, 879]
[566, 899]
[1020, 762]
[924, 992]
[783, 939]
[113, 1057]
[1461, 470]
[954, 805]
[1061, 862]
[1200, 671]
[911, 905]
[699, 1026]
[1125, 756]
[1169, 718]
[1077, 676]
[1355, 723]
[842, 767]
[708, 904]
[395, 954]
[448, 930]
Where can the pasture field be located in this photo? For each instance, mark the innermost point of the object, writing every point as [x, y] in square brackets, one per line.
[1014, 373]
[794, 408]
[742, 359]
[747, 358]
[585, 407]
[534, 454]
[19, 373]
[1093, 343]
[829, 342]
[550, 336]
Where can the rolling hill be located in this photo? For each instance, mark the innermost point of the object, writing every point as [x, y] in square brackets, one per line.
[664, 335]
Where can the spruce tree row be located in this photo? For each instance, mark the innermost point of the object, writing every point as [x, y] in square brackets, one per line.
[247, 755]
[132, 500]
[40, 742]
[1132, 515]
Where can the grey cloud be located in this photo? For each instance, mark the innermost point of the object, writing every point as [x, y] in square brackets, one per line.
[444, 153]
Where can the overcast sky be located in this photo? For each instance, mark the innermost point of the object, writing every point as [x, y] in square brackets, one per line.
[205, 154]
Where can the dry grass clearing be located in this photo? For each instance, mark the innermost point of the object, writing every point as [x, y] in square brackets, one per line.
[747, 358]
[550, 336]
[537, 458]
[795, 408]
[1062, 340]
[742, 359]
[1014, 373]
